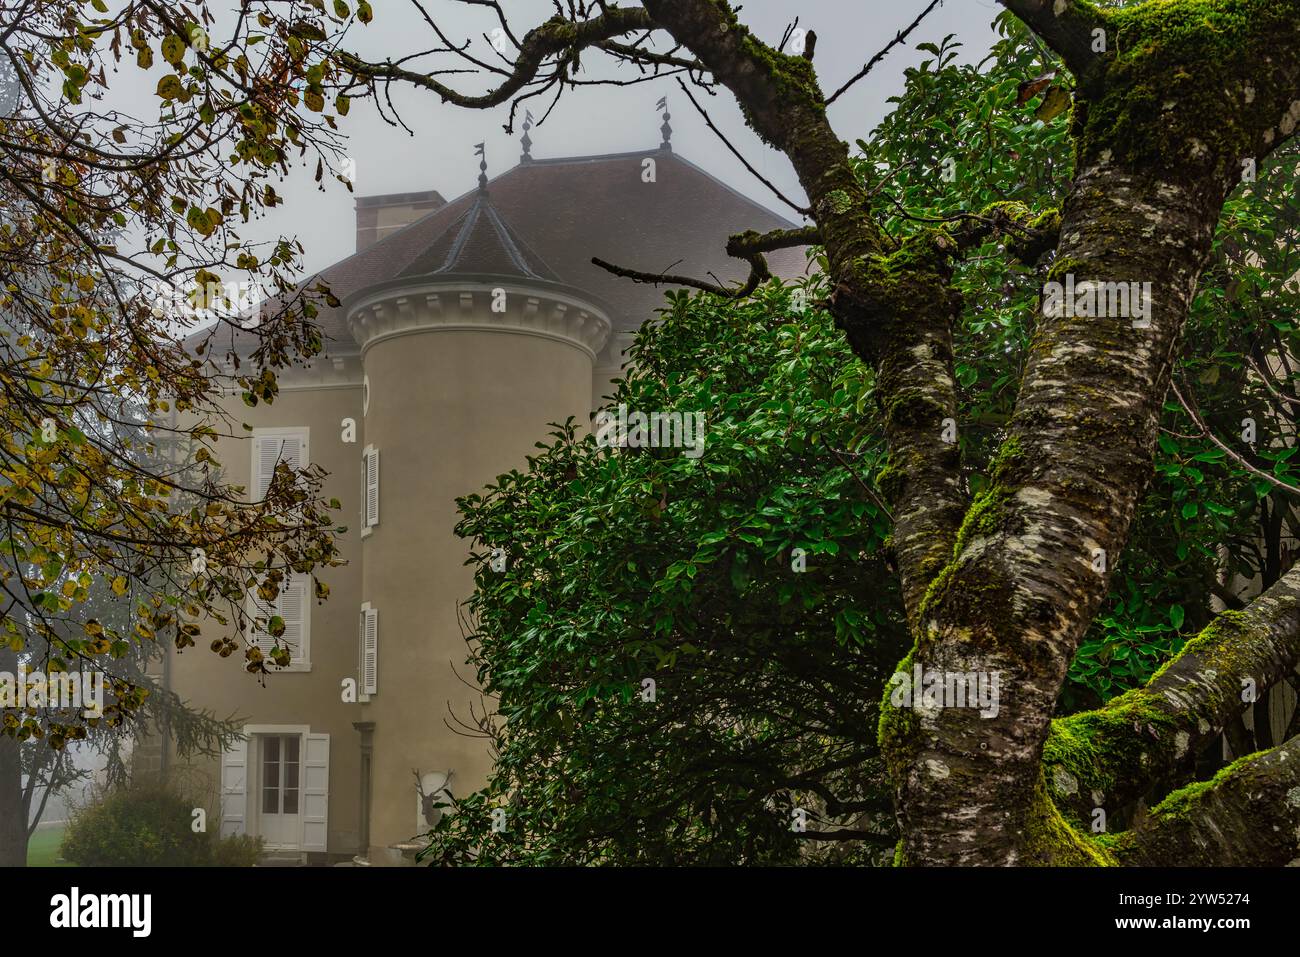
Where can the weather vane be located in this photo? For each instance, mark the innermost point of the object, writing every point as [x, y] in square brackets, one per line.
[527, 140]
[480, 150]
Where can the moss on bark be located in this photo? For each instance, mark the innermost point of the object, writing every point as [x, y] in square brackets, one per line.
[1177, 88]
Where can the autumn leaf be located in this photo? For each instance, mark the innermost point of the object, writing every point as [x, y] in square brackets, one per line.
[1031, 88]
[1055, 101]
[173, 50]
[169, 87]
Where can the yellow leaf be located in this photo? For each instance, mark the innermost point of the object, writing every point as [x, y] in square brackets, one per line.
[173, 49]
[1055, 101]
[169, 87]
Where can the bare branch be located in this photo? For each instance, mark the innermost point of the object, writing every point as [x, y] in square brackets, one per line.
[556, 36]
[802, 210]
[899, 38]
[1227, 450]
[749, 246]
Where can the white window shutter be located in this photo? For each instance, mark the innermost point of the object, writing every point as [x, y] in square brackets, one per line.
[293, 605]
[371, 500]
[269, 451]
[369, 650]
[258, 634]
[234, 789]
[265, 455]
[316, 792]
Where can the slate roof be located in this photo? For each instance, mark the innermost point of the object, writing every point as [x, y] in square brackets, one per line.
[546, 218]
[480, 242]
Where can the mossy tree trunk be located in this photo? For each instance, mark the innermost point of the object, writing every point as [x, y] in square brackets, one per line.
[1010, 588]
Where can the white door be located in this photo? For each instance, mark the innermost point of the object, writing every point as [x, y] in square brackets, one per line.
[280, 801]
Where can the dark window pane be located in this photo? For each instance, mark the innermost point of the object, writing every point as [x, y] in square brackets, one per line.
[269, 802]
[291, 776]
[291, 748]
[291, 801]
[272, 749]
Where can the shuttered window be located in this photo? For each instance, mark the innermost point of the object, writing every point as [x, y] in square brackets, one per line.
[293, 604]
[369, 489]
[369, 641]
[270, 448]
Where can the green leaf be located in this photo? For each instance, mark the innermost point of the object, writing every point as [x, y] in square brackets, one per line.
[169, 87]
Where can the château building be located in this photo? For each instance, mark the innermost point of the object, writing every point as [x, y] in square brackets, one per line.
[465, 328]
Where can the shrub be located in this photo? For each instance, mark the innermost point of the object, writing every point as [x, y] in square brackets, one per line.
[238, 850]
[149, 826]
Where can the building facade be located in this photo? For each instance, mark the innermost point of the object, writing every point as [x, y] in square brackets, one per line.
[466, 327]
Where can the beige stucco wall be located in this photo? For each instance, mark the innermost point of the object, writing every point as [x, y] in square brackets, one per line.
[297, 698]
[449, 410]
[457, 394]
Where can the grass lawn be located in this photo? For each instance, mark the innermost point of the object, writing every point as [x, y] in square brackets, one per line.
[43, 848]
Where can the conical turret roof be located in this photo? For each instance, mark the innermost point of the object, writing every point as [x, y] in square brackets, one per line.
[481, 243]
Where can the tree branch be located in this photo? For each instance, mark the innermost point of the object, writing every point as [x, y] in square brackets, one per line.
[554, 37]
[1226, 449]
[1067, 27]
[1247, 816]
[1110, 756]
[748, 245]
[901, 37]
[801, 210]
[903, 328]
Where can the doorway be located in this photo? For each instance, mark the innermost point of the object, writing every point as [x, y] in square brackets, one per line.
[280, 790]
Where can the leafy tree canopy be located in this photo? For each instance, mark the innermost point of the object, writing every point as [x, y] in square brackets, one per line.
[687, 656]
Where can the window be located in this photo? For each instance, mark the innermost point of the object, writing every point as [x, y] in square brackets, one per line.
[369, 489]
[270, 448]
[280, 767]
[369, 642]
[293, 605]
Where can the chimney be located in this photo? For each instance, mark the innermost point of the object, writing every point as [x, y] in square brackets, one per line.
[380, 216]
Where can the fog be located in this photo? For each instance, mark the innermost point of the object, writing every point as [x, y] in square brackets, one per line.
[438, 153]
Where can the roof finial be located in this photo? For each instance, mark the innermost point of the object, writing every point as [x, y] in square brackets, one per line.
[480, 150]
[527, 141]
[666, 130]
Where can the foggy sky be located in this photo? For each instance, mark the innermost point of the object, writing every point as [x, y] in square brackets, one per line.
[597, 119]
